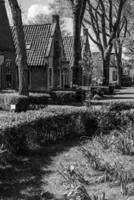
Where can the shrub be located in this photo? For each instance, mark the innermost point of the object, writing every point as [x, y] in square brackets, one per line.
[126, 81]
[80, 95]
[119, 106]
[20, 131]
[100, 90]
[20, 102]
[38, 99]
[63, 97]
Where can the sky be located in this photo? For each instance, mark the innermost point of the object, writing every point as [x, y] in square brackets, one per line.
[31, 8]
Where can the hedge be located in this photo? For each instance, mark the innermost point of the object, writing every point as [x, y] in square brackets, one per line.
[119, 106]
[23, 103]
[20, 131]
[63, 97]
[20, 102]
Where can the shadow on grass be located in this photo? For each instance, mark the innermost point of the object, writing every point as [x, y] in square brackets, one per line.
[22, 179]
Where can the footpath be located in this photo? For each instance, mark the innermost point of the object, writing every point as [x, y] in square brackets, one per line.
[120, 95]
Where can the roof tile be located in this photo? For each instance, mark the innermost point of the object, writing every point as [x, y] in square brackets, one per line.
[39, 38]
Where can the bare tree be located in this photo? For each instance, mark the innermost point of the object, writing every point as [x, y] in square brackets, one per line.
[105, 25]
[20, 46]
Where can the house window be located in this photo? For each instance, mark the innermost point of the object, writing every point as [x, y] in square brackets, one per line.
[50, 75]
[8, 63]
[114, 76]
[9, 80]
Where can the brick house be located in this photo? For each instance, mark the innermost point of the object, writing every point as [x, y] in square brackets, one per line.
[85, 54]
[47, 64]
[7, 52]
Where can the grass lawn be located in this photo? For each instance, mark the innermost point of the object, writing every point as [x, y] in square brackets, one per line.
[38, 176]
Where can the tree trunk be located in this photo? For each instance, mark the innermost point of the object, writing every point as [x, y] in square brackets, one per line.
[106, 71]
[77, 70]
[119, 63]
[106, 64]
[20, 45]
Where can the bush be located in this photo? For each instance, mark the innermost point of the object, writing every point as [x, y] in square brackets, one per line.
[119, 106]
[80, 95]
[126, 81]
[100, 90]
[63, 97]
[20, 102]
[38, 100]
[20, 131]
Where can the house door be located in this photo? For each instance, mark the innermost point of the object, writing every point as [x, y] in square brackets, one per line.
[8, 81]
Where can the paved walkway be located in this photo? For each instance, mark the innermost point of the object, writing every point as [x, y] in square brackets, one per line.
[122, 95]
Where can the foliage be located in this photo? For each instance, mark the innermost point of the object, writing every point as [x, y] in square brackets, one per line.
[19, 131]
[80, 95]
[126, 81]
[119, 106]
[53, 123]
[104, 18]
[20, 101]
[100, 90]
[38, 99]
[63, 97]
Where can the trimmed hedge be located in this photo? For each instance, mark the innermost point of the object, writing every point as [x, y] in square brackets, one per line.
[38, 99]
[23, 103]
[20, 131]
[63, 97]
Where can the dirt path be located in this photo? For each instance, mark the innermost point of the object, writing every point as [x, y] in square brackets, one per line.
[37, 176]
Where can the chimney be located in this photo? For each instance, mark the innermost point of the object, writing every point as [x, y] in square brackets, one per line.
[55, 19]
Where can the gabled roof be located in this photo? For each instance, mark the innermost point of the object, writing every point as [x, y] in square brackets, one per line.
[68, 47]
[38, 39]
[68, 44]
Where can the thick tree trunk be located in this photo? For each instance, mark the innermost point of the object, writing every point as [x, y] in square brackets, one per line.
[106, 64]
[77, 70]
[20, 45]
[119, 65]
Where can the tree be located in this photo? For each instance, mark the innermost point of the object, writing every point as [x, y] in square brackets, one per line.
[20, 47]
[123, 33]
[100, 15]
[78, 10]
[63, 9]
